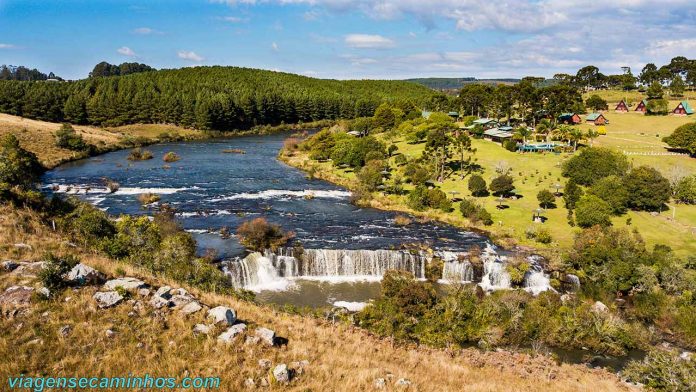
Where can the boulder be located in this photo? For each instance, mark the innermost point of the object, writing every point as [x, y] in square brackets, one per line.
[599, 307]
[109, 333]
[179, 300]
[403, 382]
[201, 329]
[231, 333]
[266, 335]
[29, 270]
[249, 383]
[16, 296]
[144, 292]
[191, 307]
[222, 314]
[127, 283]
[107, 299]
[82, 274]
[159, 302]
[380, 383]
[44, 291]
[281, 373]
[252, 340]
[163, 292]
[9, 265]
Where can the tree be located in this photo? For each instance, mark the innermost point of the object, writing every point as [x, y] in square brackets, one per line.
[17, 165]
[477, 186]
[575, 135]
[474, 212]
[384, 117]
[649, 74]
[657, 107]
[422, 198]
[589, 76]
[595, 102]
[502, 185]
[655, 91]
[590, 210]
[259, 235]
[611, 189]
[594, 163]
[474, 98]
[676, 88]
[370, 176]
[546, 198]
[685, 190]
[437, 148]
[462, 145]
[524, 133]
[591, 135]
[572, 193]
[66, 137]
[683, 138]
[648, 190]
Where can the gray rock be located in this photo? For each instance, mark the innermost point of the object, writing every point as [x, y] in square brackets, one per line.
[163, 292]
[686, 355]
[109, 333]
[263, 382]
[299, 367]
[266, 335]
[144, 292]
[9, 265]
[264, 363]
[403, 382]
[249, 383]
[599, 307]
[231, 333]
[159, 302]
[179, 300]
[82, 274]
[252, 340]
[127, 283]
[23, 246]
[281, 373]
[16, 296]
[201, 329]
[44, 291]
[107, 299]
[222, 314]
[191, 307]
[64, 331]
[180, 291]
[29, 269]
[380, 383]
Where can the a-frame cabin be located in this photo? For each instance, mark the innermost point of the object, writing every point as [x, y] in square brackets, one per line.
[622, 107]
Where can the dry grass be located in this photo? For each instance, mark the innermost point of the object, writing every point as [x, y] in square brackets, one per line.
[341, 358]
[38, 136]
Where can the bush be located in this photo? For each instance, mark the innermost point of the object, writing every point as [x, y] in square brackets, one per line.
[402, 220]
[477, 186]
[400, 160]
[138, 154]
[53, 275]
[259, 235]
[417, 173]
[148, 198]
[543, 236]
[612, 190]
[591, 210]
[571, 194]
[657, 107]
[663, 370]
[171, 157]
[370, 176]
[546, 199]
[683, 138]
[685, 190]
[510, 145]
[596, 103]
[422, 198]
[17, 165]
[66, 137]
[502, 185]
[593, 163]
[474, 212]
[648, 190]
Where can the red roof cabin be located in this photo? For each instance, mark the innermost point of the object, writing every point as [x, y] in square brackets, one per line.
[683, 109]
[621, 107]
[642, 106]
[569, 118]
[596, 119]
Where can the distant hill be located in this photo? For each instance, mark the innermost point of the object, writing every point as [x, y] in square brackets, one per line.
[443, 84]
[218, 98]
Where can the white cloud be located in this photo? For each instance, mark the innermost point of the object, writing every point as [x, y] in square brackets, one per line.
[311, 15]
[234, 19]
[6, 46]
[368, 41]
[672, 47]
[274, 46]
[190, 56]
[126, 51]
[145, 31]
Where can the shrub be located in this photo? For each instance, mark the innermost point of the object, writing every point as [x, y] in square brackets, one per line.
[258, 235]
[596, 103]
[510, 145]
[148, 198]
[477, 186]
[422, 198]
[171, 157]
[502, 185]
[400, 160]
[612, 190]
[474, 212]
[546, 199]
[594, 163]
[417, 173]
[370, 176]
[647, 189]
[591, 210]
[138, 154]
[657, 107]
[685, 191]
[683, 138]
[53, 275]
[571, 194]
[663, 370]
[17, 165]
[66, 137]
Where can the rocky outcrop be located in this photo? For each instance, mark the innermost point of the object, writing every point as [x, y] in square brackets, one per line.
[266, 335]
[107, 299]
[231, 333]
[127, 283]
[9, 265]
[222, 315]
[191, 307]
[82, 274]
[201, 329]
[16, 296]
[281, 373]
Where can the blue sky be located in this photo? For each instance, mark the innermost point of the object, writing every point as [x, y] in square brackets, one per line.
[349, 39]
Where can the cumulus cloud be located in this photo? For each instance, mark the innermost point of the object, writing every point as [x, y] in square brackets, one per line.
[368, 41]
[190, 56]
[126, 51]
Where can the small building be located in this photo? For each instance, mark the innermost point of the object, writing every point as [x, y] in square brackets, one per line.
[683, 109]
[596, 119]
[486, 123]
[622, 107]
[642, 107]
[454, 115]
[497, 135]
[569, 118]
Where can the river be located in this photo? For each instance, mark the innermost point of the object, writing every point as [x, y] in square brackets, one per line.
[346, 248]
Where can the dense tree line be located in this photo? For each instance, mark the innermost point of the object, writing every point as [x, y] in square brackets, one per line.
[220, 98]
[11, 72]
[106, 69]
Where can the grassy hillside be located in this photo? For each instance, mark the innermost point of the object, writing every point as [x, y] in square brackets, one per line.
[161, 342]
[39, 136]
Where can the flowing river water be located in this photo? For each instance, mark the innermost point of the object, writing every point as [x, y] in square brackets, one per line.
[346, 249]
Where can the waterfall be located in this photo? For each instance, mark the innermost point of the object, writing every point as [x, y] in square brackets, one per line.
[257, 271]
[456, 271]
[495, 277]
[359, 263]
[535, 280]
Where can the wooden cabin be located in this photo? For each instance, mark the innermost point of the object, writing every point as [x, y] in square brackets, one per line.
[642, 107]
[622, 107]
[569, 118]
[596, 119]
[683, 109]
